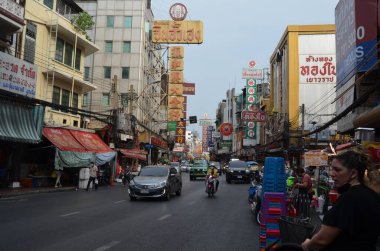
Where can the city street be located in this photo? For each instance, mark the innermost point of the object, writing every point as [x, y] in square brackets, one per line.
[107, 220]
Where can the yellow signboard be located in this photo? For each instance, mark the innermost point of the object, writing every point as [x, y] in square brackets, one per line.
[175, 90]
[176, 64]
[177, 52]
[177, 32]
[176, 77]
[175, 114]
[175, 102]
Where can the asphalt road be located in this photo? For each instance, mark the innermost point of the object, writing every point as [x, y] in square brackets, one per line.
[106, 220]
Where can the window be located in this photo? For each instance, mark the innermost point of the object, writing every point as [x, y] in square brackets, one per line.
[56, 96]
[108, 46]
[86, 99]
[65, 98]
[86, 73]
[148, 4]
[106, 99]
[30, 42]
[128, 22]
[49, 3]
[127, 46]
[125, 73]
[75, 102]
[107, 71]
[110, 20]
[78, 55]
[68, 54]
[59, 50]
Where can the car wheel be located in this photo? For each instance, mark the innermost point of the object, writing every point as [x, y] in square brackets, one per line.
[179, 191]
[131, 198]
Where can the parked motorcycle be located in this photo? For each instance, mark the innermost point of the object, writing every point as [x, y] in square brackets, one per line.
[210, 186]
[254, 199]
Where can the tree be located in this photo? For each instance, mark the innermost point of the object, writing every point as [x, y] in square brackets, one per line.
[83, 22]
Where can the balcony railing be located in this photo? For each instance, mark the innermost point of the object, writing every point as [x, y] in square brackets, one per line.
[12, 7]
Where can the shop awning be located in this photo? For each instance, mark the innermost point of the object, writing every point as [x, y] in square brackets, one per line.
[17, 123]
[91, 141]
[63, 139]
[134, 153]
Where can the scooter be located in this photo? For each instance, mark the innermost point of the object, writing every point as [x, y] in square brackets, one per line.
[254, 199]
[210, 186]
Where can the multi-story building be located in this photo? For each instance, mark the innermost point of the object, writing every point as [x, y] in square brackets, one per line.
[126, 56]
[303, 79]
[58, 48]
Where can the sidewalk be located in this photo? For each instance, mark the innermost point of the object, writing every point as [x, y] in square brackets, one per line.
[12, 192]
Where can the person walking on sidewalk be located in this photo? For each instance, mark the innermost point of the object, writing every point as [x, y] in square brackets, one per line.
[58, 180]
[93, 176]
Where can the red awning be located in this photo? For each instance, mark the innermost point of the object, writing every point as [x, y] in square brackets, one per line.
[90, 141]
[63, 139]
[134, 153]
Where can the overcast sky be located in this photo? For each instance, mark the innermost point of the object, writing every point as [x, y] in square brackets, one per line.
[236, 32]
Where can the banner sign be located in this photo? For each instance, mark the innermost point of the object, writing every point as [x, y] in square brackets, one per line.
[17, 76]
[251, 105]
[317, 69]
[177, 32]
[255, 116]
[252, 73]
[315, 158]
[188, 89]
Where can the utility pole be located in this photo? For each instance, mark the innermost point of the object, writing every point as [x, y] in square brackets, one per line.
[115, 99]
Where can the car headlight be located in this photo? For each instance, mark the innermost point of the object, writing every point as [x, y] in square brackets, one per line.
[247, 171]
[161, 184]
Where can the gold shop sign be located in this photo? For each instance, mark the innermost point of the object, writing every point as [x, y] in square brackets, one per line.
[178, 32]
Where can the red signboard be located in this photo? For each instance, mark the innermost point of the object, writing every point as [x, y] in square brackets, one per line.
[253, 116]
[134, 153]
[158, 142]
[188, 89]
[226, 129]
[63, 139]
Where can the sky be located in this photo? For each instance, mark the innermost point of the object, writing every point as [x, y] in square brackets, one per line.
[236, 32]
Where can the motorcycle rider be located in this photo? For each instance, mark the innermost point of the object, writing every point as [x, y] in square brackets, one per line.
[213, 171]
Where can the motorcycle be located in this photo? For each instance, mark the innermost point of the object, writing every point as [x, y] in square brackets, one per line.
[254, 199]
[210, 186]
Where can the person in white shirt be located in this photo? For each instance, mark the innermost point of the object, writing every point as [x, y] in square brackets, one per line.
[93, 176]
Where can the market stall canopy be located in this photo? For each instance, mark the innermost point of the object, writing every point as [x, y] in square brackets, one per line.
[91, 141]
[134, 153]
[17, 123]
[63, 139]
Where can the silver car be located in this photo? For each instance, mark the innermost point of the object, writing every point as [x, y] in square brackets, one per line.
[155, 182]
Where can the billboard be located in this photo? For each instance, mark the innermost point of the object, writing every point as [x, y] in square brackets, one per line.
[356, 35]
[17, 76]
[177, 32]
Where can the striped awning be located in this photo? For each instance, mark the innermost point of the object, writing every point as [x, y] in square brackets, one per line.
[18, 123]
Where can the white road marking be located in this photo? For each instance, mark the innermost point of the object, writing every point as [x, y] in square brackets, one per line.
[120, 201]
[164, 217]
[192, 203]
[107, 246]
[64, 215]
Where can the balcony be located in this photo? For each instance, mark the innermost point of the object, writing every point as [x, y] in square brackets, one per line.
[11, 17]
[84, 85]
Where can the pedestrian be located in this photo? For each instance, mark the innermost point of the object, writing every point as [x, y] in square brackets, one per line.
[58, 179]
[353, 223]
[93, 176]
[305, 184]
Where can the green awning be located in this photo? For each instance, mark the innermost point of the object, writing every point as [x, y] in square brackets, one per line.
[17, 123]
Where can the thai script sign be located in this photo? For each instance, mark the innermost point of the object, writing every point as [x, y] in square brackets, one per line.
[17, 76]
[255, 116]
[177, 32]
[252, 73]
[317, 69]
[207, 122]
[188, 88]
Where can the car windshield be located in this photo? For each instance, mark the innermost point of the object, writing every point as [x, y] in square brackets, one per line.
[156, 171]
[238, 164]
[217, 164]
[199, 163]
[174, 164]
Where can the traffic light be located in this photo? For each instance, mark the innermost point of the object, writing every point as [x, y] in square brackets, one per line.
[193, 119]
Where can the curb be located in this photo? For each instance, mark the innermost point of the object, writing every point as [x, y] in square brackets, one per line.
[36, 191]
